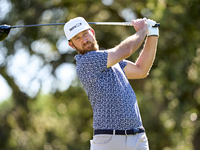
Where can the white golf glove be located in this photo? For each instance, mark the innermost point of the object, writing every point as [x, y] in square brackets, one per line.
[152, 31]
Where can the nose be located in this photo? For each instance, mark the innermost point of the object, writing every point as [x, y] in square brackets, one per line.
[84, 40]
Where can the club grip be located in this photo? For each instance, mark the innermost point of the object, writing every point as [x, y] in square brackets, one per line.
[156, 25]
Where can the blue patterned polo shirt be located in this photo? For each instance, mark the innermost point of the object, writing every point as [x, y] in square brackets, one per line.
[112, 98]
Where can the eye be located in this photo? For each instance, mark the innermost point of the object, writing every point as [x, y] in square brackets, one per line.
[85, 33]
[77, 38]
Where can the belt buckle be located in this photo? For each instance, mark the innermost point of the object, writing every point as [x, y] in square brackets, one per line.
[126, 132]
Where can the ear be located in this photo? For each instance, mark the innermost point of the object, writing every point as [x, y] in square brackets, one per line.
[71, 44]
[92, 30]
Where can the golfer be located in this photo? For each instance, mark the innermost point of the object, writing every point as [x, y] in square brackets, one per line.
[104, 74]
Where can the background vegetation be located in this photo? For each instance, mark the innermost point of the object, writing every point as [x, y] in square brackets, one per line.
[45, 112]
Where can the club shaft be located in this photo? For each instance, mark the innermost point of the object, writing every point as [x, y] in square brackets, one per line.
[118, 23]
[37, 25]
[93, 23]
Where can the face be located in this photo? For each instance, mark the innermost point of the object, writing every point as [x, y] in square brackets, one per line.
[84, 41]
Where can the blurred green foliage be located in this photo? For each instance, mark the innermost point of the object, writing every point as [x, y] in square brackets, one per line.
[169, 98]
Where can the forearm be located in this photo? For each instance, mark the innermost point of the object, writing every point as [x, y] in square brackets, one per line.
[129, 45]
[147, 55]
[132, 43]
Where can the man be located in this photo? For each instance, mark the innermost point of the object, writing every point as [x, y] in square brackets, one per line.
[104, 74]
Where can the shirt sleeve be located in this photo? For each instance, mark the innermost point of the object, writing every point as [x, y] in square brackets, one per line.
[123, 63]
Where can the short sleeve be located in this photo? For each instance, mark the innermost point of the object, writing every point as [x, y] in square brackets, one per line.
[123, 63]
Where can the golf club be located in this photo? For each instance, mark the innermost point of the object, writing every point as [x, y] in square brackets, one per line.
[5, 29]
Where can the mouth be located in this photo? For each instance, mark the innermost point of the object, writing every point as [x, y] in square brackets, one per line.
[88, 44]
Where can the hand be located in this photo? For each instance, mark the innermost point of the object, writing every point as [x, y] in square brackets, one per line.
[138, 24]
[152, 31]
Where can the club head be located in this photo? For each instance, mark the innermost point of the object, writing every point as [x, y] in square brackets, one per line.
[4, 31]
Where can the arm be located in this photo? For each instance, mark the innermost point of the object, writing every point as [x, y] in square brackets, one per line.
[141, 67]
[129, 45]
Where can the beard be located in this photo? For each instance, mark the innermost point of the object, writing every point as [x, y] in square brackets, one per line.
[88, 46]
